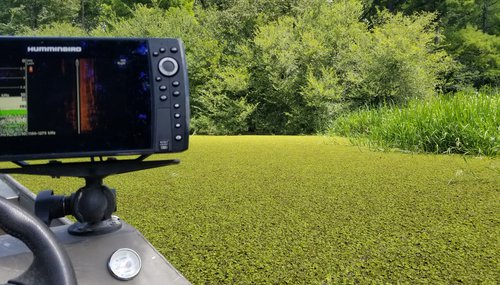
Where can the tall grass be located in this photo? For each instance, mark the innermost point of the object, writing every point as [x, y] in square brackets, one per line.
[467, 122]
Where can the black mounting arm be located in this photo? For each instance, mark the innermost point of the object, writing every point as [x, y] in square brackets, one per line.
[92, 205]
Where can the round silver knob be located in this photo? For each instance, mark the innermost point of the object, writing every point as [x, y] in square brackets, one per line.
[168, 66]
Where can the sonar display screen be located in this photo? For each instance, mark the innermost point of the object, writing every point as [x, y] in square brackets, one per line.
[82, 96]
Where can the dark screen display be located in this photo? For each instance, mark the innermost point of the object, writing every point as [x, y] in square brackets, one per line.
[72, 97]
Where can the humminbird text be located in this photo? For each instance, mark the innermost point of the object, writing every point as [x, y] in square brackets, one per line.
[53, 49]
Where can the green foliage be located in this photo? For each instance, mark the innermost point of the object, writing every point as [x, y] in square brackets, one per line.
[303, 210]
[215, 113]
[221, 116]
[20, 15]
[57, 30]
[467, 122]
[234, 25]
[124, 9]
[91, 13]
[325, 61]
[479, 54]
[112, 9]
[466, 23]
[454, 14]
[400, 61]
[17, 16]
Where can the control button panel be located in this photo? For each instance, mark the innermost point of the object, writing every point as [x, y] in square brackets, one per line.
[171, 88]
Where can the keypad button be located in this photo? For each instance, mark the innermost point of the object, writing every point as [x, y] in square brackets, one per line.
[178, 138]
[163, 87]
[158, 78]
[177, 106]
[177, 116]
[176, 83]
[178, 125]
[162, 50]
[168, 66]
[156, 53]
[163, 97]
[176, 93]
[174, 49]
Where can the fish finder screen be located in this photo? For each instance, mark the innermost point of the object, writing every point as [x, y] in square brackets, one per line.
[74, 96]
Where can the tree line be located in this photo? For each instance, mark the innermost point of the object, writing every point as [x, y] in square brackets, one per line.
[292, 67]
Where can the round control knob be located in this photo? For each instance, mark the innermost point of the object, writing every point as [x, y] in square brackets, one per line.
[168, 66]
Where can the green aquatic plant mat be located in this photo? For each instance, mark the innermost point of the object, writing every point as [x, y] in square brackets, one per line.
[313, 210]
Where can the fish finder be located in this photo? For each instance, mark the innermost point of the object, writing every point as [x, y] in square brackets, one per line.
[86, 97]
